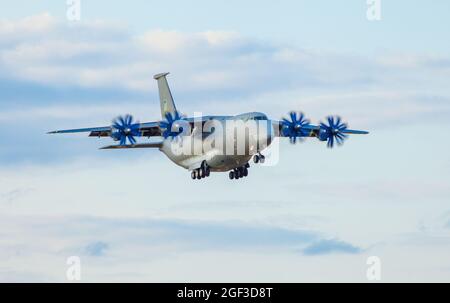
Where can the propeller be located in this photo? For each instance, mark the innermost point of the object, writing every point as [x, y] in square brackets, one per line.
[295, 127]
[167, 125]
[333, 131]
[123, 128]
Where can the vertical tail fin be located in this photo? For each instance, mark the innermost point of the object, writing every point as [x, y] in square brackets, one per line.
[165, 96]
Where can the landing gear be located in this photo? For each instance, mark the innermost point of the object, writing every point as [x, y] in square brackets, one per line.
[259, 158]
[205, 170]
[239, 172]
[245, 172]
[202, 172]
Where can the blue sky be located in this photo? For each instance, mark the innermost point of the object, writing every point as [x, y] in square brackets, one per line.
[316, 216]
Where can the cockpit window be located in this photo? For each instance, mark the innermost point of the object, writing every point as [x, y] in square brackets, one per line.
[260, 118]
[253, 116]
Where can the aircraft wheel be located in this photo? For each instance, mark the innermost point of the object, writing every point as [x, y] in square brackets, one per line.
[231, 175]
[262, 159]
[194, 175]
[245, 173]
[256, 159]
[205, 171]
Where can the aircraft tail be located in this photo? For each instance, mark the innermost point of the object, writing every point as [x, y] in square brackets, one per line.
[165, 96]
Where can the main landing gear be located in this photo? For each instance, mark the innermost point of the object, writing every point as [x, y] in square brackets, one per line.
[202, 172]
[259, 158]
[239, 172]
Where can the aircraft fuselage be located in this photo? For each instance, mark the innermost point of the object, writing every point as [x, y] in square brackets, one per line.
[225, 144]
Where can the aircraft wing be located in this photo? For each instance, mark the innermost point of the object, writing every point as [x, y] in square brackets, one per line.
[333, 131]
[312, 130]
[144, 145]
[355, 132]
[149, 129]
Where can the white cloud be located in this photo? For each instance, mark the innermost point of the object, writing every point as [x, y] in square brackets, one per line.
[155, 250]
[414, 61]
[90, 55]
[38, 24]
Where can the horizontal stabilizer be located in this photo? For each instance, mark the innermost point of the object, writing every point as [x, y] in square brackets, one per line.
[145, 145]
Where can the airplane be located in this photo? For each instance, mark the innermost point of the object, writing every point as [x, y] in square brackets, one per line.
[177, 136]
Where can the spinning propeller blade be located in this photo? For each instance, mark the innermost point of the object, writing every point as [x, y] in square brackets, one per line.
[124, 129]
[333, 131]
[295, 128]
[168, 123]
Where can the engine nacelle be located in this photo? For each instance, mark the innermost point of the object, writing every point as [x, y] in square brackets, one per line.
[323, 135]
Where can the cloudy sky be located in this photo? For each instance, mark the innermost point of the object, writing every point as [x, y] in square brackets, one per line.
[315, 216]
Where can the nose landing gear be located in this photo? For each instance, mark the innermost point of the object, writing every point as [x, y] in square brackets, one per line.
[239, 172]
[259, 158]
